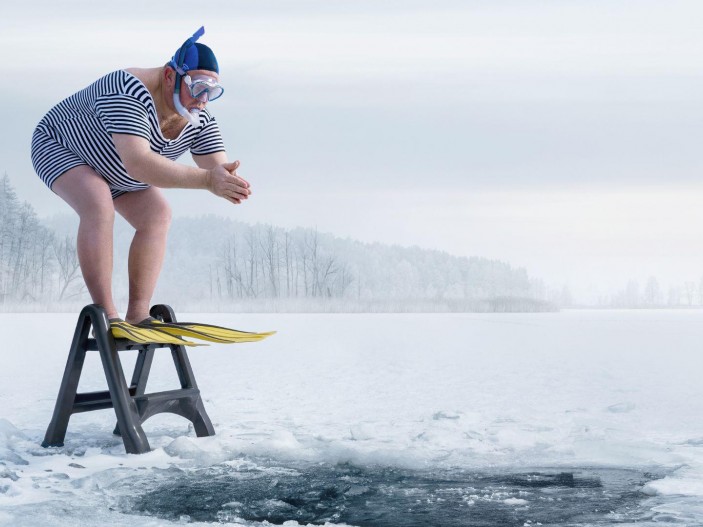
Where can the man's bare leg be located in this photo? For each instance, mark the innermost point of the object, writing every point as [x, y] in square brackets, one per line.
[150, 214]
[89, 195]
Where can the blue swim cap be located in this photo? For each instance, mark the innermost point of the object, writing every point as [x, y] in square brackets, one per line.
[194, 56]
[200, 57]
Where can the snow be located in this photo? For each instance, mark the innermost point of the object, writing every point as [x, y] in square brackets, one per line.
[570, 389]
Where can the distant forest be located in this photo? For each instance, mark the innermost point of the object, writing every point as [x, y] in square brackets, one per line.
[217, 263]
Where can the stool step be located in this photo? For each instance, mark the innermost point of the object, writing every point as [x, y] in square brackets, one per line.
[89, 401]
[86, 402]
[170, 395]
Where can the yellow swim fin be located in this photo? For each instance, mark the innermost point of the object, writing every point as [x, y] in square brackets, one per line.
[207, 332]
[141, 335]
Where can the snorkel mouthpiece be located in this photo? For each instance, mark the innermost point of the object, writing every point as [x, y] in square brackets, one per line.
[193, 116]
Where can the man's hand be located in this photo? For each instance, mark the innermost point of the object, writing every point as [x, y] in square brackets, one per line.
[223, 181]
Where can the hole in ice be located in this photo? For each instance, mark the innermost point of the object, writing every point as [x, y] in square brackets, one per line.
[260, 490]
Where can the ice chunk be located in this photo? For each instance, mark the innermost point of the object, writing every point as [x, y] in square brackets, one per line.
[184, 448]
[675, 486]
[7, 473]
[8, 455]
[203, 453]
[8, 431]
[281, 441]
[363, 431]
[444, 415]
[9, 436]
[621, 408]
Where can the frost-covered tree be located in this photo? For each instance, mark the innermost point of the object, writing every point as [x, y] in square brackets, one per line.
[26, 263]
[689, 291]
[632, 294]
[652, 292]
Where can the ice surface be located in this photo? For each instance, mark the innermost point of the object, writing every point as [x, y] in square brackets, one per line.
[608, 389]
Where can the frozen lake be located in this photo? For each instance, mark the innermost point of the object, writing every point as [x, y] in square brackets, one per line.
[573, 418]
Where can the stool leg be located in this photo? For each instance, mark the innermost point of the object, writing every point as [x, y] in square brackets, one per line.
[201, 421]
[199, 417]
[56, 432]
[142, 367]
[128, 419]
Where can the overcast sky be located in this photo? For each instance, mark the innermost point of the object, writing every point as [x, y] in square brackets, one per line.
[563, 136]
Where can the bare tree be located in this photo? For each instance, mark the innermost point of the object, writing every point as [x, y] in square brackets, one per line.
[324, 277]
[69, 268]
[311, 253]
[689, 289]
[632, 294]
[271, 257]
[287, 250]
[252, 263]
[652, 292]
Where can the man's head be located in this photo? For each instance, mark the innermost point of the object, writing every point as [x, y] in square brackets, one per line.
[196, 79]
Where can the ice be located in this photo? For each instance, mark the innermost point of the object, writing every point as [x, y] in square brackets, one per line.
[8, 431]
[687, 481]
[621, 408]
[184, 448]
[573, 389]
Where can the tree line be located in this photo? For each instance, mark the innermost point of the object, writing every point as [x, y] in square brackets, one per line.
[653, 295]
[214, 259]
[35, 263]
[238, 261]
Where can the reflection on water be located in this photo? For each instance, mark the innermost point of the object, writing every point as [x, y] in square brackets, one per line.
[389, 497]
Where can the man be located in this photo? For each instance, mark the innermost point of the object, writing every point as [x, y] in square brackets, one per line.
[112, 146]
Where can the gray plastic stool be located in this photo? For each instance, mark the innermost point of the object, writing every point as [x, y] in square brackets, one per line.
[132, 406]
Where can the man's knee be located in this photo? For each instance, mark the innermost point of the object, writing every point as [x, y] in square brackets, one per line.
[100, 212]
[146, 210]
[156, 218]
[161, 214]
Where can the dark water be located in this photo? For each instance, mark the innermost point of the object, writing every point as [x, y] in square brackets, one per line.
[392, 497]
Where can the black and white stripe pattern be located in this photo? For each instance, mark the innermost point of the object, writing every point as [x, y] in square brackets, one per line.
[77, 132]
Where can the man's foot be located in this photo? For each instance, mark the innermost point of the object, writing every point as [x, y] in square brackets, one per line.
[137, 320]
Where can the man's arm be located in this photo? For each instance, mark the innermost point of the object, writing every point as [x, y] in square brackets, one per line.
[210, 160]
[149, 167]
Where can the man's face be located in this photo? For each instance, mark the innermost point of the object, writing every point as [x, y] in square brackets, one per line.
[192, 103]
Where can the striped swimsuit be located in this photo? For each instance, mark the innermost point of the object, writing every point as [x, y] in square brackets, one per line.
[77, 132]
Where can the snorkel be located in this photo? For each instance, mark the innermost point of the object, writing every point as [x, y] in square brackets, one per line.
[187, 58]
[193, 116]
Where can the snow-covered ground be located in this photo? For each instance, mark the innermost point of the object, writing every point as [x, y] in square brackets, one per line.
[438, 392]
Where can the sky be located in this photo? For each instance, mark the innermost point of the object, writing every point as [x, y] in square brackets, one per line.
[562, 136]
